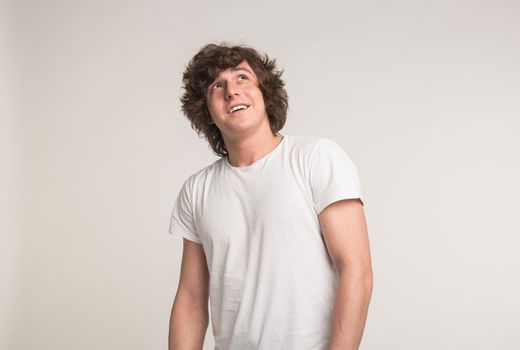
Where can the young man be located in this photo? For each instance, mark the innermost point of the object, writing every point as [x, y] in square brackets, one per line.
[274, 231]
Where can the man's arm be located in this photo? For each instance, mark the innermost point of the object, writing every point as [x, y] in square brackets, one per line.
[345, 233]
[189, 318]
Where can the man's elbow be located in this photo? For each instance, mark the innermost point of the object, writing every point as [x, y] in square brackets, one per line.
[362, 276]
[369, 282]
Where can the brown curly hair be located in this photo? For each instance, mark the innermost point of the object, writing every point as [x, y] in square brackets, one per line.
[205, 67]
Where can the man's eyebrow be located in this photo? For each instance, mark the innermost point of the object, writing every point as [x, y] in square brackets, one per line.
[241, 68]
[234, 69]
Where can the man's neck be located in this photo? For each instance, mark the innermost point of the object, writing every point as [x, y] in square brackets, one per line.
[246, 151]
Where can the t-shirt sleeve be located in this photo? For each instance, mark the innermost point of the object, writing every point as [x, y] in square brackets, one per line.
[333, 175]
[182, 222]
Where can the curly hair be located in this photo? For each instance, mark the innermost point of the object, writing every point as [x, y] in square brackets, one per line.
[205, 67]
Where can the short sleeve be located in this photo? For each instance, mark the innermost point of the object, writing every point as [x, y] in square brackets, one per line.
[333, 176]
[182, 216]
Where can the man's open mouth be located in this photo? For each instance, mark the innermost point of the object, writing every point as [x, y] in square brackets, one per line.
[237, 108]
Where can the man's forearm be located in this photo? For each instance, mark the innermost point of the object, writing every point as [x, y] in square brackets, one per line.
[188, 327]
[350, 310]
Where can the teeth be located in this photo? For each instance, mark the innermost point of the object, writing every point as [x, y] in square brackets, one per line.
[237, 108]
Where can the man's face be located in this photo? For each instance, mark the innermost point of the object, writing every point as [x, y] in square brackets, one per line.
[235, 101]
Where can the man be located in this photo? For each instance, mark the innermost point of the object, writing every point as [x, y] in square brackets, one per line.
[274, 231]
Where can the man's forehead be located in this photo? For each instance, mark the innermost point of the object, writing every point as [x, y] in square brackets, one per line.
[242, 66]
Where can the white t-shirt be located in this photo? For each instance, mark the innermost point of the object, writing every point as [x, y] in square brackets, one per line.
[272, 283]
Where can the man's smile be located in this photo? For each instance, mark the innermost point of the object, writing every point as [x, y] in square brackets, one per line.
[237, 107]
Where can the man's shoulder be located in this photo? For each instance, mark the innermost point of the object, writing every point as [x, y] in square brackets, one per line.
[308, 143]
[202, 173]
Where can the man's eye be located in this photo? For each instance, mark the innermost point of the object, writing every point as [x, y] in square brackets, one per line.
[217, 86]
[243, 76]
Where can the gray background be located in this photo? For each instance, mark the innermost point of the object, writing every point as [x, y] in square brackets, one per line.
[423, 95]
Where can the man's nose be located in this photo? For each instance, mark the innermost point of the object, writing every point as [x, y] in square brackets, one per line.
[231, 90]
